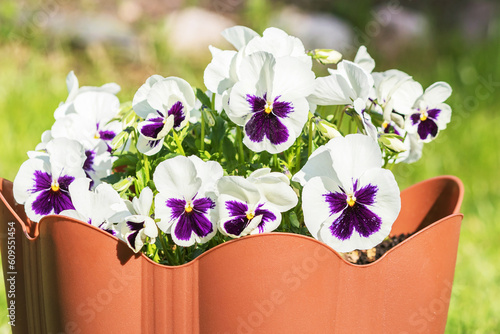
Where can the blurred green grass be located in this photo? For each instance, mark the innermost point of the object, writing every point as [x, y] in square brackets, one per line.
[32, 84]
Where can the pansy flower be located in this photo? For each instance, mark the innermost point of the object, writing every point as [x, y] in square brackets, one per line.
[269, 101]
[139, 227]
[349, 84]
[253, 205]
[429, 114]
[101, 207]
[42, 183]
[225, 68]
[395, 90]
[186, 201]
[74, 90]
[349, 201]
[165, 104]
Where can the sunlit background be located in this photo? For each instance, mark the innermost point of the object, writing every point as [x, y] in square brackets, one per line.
[126, 41]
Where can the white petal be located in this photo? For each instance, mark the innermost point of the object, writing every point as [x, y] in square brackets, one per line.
[444, 116]
[24, 181]
[97, 106]
[163, 212]
[66, 155]
[140, 103]
[277, 193]
[217, 75]
[292, 78]
[149, 147]
[352, 155]
[239, 188]
[331, 90]
[177, 175]
[142, 205]
[404, 97]
[319, 164]
[316, 209]
[72, 84]
[364, 59]
[436, 93]
[269, 226]
[239, 36]
[209, 172]
[168, 91]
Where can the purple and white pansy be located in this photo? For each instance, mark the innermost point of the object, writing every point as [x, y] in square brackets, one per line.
[429, 114]
[42, 183]
[186, 202]
[101, 207]
[269, 102]
[139, 228]
[164, 104]
[224, 71]
[349, 201]
[253, 205]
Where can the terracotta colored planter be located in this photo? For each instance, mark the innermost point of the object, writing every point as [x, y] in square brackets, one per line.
[74, 278]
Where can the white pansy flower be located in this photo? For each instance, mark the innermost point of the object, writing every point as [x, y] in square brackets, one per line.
[349, 201]
[42, 183]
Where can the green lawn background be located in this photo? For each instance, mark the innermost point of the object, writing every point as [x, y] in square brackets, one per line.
[32, 83]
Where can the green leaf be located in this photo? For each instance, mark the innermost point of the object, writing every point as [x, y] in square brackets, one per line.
[209, 116]
[204, 99]
[293, 219]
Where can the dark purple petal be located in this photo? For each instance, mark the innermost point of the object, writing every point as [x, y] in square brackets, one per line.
[237, 210]
[49, 200]
[427, 128]
[415, 118]
[282, 108]
[64, 182]
[366, 195]
[263, 124]
[177, 206]
[88, 165]
[107, 135]
[178, 111]
[257, 103]
[135, 226]
[152, 130]
[131, 238]
[268, 125]
[42, 181]
[433, 113]
[267, 216]
[203, 204]
[357, 217]
[193, 221]
[390, 128]
[237, 225]
[336, 202]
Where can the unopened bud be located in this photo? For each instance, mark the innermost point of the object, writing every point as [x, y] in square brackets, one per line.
[328, 130]
[393, 142]
[327, 56]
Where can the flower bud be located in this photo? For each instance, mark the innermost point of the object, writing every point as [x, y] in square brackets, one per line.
[328, 130]
[327, 56]
[393, 142]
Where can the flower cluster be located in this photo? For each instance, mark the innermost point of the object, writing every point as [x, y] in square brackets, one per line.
[268, 147]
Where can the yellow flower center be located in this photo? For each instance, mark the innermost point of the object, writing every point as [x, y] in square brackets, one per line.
[385, 125]
[54, 187]
[97, 135]
[423, 116]
[351, 200]
[189, 207]
[250, 215]
[268, 108]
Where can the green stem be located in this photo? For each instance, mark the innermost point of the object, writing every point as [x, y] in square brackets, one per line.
[275, 162]
[147, 167]
[239, 139]
[310, 143]
[179, 144]
[202, 144]
[297, 153]
[341, 117]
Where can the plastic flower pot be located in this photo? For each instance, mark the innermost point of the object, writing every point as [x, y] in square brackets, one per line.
[74, 278]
